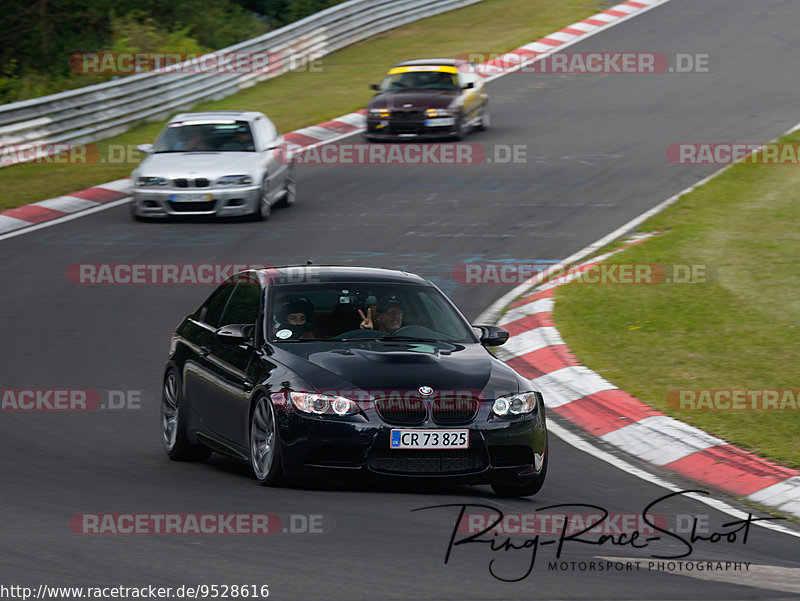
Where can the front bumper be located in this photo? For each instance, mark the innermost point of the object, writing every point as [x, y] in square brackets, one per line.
[499, 449]
[221, 202]
[401, 129]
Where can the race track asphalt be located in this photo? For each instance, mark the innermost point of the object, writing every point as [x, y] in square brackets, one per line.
[595, 147]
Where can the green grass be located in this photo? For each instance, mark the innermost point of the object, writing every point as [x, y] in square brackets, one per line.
[300, 99]
[738, 331]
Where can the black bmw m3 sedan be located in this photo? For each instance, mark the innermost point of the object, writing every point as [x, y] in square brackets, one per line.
[340, 371]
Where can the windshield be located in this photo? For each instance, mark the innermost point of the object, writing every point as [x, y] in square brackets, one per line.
[420, 80]
[188, 136]
[364, 311]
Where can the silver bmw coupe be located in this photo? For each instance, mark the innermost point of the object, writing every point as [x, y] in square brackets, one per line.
[221, 163]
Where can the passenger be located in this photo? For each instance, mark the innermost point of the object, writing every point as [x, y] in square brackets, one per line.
[294, 319]
[241, 141]
[387, 315]
[193, 141]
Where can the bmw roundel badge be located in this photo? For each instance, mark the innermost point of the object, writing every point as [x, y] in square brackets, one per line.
[425, 390]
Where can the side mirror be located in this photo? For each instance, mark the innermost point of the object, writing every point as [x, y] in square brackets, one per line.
[374, 86]
[468, 86]
[145, 148]
[235, 334]
[492, 335]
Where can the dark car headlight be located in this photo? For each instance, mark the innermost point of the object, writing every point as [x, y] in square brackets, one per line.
[149, 180]
[378, 113]
[516, 404]
[323, 404]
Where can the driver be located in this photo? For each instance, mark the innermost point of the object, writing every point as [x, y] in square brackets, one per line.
[294, 319]
[241, 140]
[387, 315]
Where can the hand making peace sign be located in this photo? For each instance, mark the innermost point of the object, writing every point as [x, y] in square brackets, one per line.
[367, 320]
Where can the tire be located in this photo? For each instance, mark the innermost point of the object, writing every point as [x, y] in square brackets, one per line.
[264, 445]
[290, 194]
[463, 129]
[486, 118]
[173, 433]
[264, 208]
[525, 488]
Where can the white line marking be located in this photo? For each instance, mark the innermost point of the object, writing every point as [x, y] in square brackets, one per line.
[8, 224]
[569, 384]
[775, 578]
[562, 36]
[543, 305]
[784, 495]
[354, 119]
[606, 18]
[581, 26]
[65, 218]
[536, 47]
[118, 185]
[661, 439]
[583, 445]
[66, 204]
[529, 341]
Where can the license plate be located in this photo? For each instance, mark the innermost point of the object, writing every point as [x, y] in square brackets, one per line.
[443, 121]
[429, 439]
[191, 197]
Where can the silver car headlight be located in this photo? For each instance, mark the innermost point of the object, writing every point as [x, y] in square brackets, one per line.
[150, 180]
[516, 404]
[322, 404]
[235, 180]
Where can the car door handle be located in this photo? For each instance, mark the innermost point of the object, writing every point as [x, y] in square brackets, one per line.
[205, 351]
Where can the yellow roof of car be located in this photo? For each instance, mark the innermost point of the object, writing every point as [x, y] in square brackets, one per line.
[413, 68]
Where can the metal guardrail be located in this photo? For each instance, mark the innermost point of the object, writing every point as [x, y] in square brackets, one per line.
[94, 112]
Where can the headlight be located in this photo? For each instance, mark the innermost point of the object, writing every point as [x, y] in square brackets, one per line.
[439, 113]
[151, 181]
[321, 404]
[378, 112]
[516, 404]
[235, 180]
